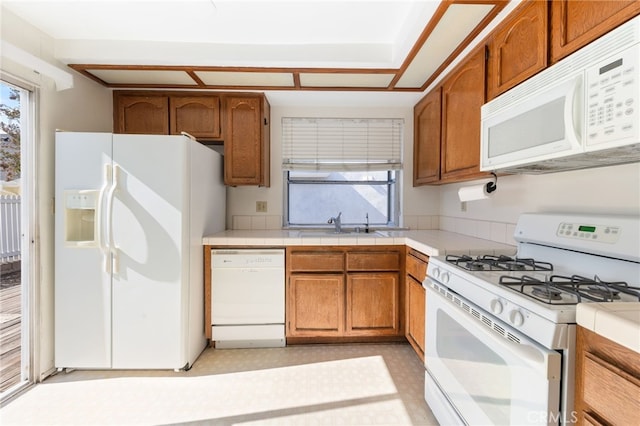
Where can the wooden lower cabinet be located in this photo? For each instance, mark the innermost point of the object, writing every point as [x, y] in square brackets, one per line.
[316, 305]
[416, 315]
[372, 303]
[415, 300]
[607, 381]
[344, 293]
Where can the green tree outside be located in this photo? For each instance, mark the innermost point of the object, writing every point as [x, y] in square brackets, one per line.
[10, 143]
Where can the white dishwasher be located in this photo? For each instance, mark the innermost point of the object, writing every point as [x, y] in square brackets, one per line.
[247, 298]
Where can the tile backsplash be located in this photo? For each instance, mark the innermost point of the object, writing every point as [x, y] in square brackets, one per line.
[500, 232]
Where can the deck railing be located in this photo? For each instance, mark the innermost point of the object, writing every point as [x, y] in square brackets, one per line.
[9, 228]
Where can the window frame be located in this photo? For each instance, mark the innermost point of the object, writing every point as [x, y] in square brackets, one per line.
[393, 199]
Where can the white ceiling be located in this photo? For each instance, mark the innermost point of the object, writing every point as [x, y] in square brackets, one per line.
[299, 33]
[347, 34]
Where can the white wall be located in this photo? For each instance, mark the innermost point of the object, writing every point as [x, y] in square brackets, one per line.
[420, 205]
[85, 107]
[605, 190]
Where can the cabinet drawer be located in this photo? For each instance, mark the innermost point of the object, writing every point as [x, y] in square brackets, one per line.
[416, 267]
[611, 392]
[312, 261]
[373, 261]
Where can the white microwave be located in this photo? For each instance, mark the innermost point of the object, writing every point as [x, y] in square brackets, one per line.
[582, 112]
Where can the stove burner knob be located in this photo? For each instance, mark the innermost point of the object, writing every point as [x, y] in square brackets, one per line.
[436, 273]
[444, 278]
[496, 306]
[516, 318]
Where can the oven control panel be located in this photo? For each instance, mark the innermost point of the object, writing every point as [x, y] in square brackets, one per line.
[581, 231]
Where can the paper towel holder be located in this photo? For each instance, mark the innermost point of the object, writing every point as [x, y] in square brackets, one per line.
[492, 186]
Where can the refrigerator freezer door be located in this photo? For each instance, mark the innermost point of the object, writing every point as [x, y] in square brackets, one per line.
[82, 288]
[150, 264]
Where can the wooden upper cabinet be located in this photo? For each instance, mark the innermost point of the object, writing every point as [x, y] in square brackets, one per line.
[518, 48]
[141, 114]
[462, 96]
[575, 23]
[426, 139]
[197, 115]
[246, 144]
[239, 120]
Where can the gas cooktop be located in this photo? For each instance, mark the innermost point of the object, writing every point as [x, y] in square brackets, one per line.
[536, 279]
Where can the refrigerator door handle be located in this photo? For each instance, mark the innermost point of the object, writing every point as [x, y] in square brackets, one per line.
[100, 235]
[110, 196]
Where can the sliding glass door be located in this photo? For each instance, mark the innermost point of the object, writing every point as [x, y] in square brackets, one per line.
[16, 219]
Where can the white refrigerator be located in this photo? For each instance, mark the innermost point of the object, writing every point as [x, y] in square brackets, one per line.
[130, 214]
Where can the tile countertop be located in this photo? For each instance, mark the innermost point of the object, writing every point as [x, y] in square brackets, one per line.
[429, 242]
[619, 322]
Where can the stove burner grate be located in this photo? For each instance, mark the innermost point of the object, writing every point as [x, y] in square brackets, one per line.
[595, 289]
[497, 263]
[543, 291]
[546, 292]
[553, 289]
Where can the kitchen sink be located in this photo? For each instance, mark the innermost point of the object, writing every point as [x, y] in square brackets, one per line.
[323, 233]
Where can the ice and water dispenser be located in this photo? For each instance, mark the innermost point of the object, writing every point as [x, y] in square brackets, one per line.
[80, 220]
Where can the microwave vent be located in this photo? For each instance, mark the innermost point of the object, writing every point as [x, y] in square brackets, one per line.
[608, 157]
[617, 40]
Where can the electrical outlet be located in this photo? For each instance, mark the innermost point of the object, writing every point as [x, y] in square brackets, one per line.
[261, 206]
[463, 206]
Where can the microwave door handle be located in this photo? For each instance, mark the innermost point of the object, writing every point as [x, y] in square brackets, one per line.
[573, 110]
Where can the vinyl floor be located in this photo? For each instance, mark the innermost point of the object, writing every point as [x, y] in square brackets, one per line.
[347, 384]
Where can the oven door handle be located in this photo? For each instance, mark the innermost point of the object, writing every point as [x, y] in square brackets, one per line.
[530, 352]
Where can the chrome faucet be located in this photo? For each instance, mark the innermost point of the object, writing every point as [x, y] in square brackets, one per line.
[336, 223]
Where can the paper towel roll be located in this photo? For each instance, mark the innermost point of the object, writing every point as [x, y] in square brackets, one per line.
[473, 192]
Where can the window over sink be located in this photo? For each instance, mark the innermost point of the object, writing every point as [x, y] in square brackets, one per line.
[341, 165]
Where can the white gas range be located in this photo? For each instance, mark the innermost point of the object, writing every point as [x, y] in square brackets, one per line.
[500, 331]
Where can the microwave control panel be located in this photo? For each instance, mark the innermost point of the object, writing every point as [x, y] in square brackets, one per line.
[613, 99]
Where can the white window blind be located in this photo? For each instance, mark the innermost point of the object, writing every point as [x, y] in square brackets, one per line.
[341, 144]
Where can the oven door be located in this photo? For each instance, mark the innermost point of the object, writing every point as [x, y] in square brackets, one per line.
[480, 371]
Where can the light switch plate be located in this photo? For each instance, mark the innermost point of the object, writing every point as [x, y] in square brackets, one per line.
[261, 206]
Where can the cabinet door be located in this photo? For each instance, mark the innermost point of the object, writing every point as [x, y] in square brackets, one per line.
[197, 115]
[607, 380]
[462, 97]
[576, 23]
[141, 114]
[373, 304]
[518, 48]
[415, 315]
[426, 139]
[243, 145]
[315, 305]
